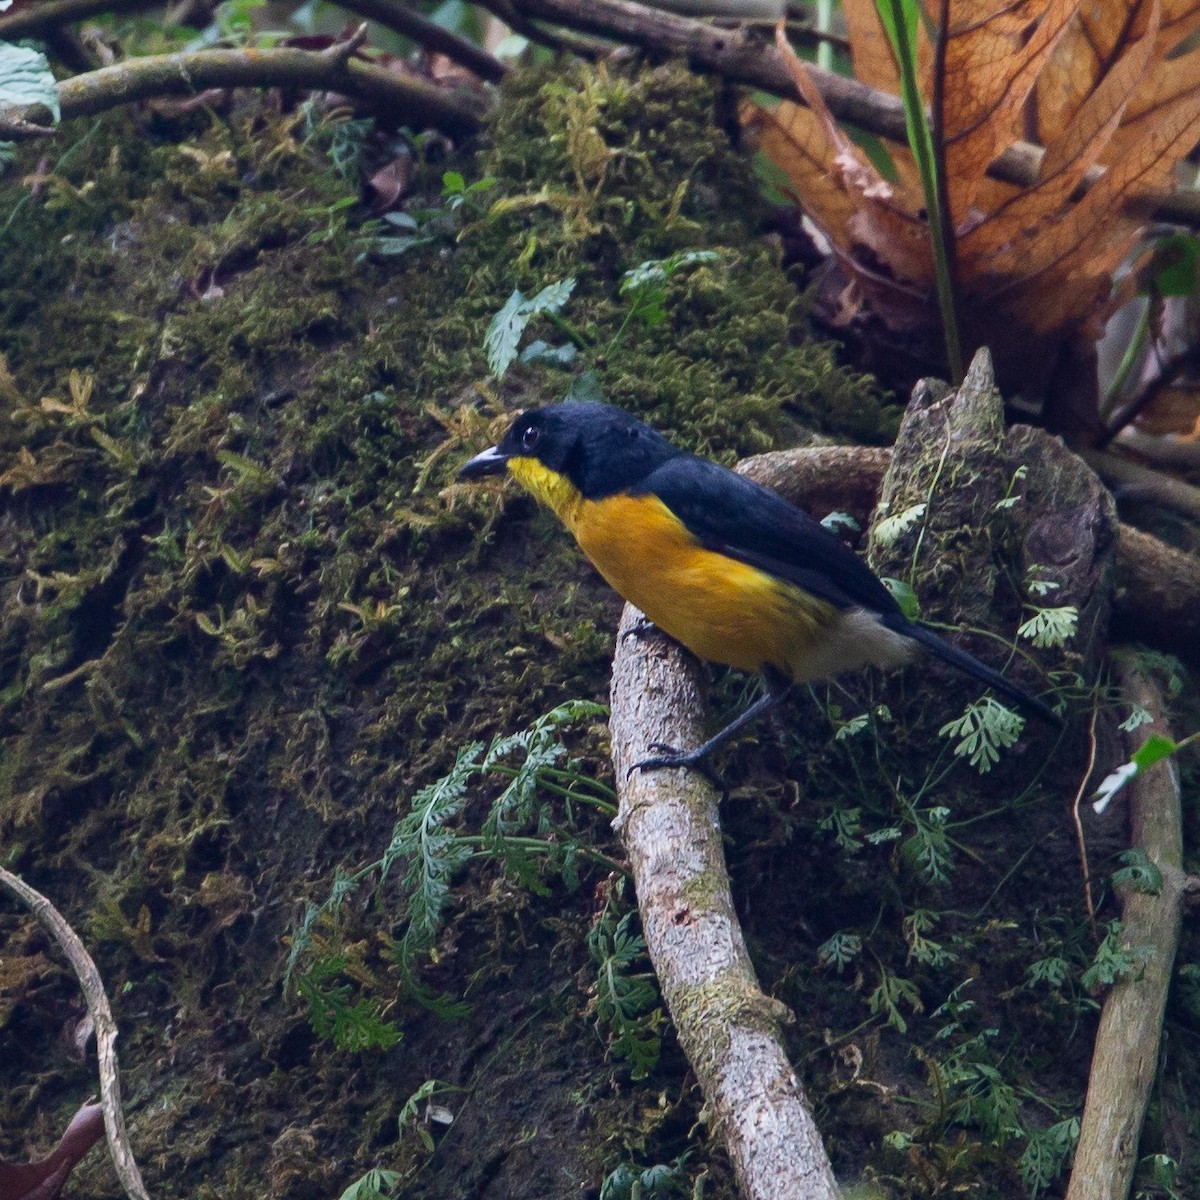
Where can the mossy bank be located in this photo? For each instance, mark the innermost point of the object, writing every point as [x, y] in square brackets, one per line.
[245, 612]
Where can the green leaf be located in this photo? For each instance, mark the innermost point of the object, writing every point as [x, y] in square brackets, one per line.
[25, 78]
[1180, 273]
[507, 326]
[1050, 626]
[903, 594]
[377, 1184]
[986, 728]
[504, 334]
[1154, 749]
[840, 520]
[888, 530]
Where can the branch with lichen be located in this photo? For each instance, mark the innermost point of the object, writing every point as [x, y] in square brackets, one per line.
[730, 1030]
[405, 101]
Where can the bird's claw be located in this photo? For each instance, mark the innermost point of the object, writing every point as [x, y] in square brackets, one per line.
[641, 626]
[669, 758]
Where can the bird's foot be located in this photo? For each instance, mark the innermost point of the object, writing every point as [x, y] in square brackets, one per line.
[668, 758]
[642, 626]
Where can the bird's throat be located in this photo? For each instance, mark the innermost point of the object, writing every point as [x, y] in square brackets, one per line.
[553, 490]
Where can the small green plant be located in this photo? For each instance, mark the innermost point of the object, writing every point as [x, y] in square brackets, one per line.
[507, 327]
[1153, 750]
[659, 1182]
[986, 728]
[644, 288]
[352, 1025]
[1047, 1153]
[890, 993]
[413, 1121]
[626, 1000]
[840, 950]
[1050, 626]
[376, 1184]
[407, 229]
[523, 832]
[1157, 1178]
[1113, 961]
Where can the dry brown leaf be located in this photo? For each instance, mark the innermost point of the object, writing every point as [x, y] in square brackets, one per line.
[1081, 143]
[1035, 265]
[992, 59]
[870, 50]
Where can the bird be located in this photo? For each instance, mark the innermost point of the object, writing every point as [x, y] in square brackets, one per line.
[725, 566]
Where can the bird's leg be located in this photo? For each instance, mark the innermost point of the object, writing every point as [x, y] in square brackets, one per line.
[776, 689]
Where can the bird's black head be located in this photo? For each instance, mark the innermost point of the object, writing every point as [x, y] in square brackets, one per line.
[599, 450]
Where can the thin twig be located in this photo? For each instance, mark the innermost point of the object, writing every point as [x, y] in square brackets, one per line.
[1080, 840]
[1169, 370]
[397, 15]
[102, 1019]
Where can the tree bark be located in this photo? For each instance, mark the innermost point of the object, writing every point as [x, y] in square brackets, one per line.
[1125, 1061]
[729, 1030]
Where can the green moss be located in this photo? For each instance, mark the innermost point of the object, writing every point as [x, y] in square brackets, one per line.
[244, 610]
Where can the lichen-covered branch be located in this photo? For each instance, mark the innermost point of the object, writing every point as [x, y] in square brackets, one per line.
[727, 1027]
[404, 100]
[1125, 1060]
[102, 1018]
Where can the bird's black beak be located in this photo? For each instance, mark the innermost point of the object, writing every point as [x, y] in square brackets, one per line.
[490, 462]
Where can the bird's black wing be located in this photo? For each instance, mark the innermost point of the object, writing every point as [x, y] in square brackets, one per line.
[746, 521]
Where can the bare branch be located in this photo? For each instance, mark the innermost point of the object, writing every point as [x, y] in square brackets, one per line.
[727, 1027]
[404, 100]
[397, 15]
[102, 1018]
[38, 20]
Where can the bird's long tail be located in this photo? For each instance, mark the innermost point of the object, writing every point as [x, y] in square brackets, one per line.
[972, 666]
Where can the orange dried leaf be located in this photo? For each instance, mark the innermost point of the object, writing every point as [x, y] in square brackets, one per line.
[870, 49]
[992, 58]
[1082, 142]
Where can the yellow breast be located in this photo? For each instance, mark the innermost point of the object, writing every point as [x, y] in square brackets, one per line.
[721, 609]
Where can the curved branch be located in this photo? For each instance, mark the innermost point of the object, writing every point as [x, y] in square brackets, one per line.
[102, 1018]
[403, 100]
[727, 1027]
[38, 20]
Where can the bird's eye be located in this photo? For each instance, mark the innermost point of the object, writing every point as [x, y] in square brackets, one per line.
[529, 438]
